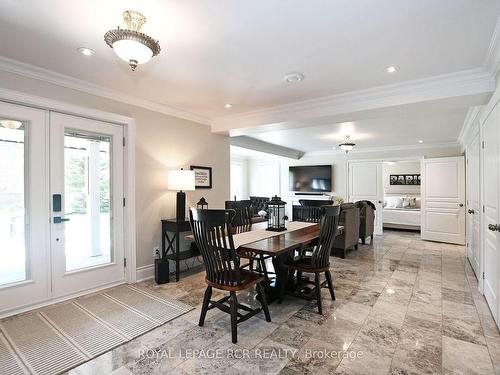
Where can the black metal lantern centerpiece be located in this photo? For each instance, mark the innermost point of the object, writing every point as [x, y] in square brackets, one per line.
[202, 203]
[276, 215]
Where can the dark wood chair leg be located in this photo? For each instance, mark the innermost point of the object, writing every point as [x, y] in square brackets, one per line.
[371, 238]
[356, 247]
[344, 253]
[206, 302]
[328, 276]
[251, 264]
[263, 301]
[233, 307]
[318, 293]
[363, 241]
[283, 280]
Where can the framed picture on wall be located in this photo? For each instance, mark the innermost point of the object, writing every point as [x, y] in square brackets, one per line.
[404, 179]
[202, 177]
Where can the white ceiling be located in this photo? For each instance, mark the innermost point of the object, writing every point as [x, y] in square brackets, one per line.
[215, 52]
[404, 129]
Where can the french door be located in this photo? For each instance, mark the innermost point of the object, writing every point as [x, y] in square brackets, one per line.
[24, 189]
[365, 182]
[86, 180]
[61, 210]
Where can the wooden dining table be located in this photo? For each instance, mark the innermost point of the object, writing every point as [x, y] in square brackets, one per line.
[279, 247]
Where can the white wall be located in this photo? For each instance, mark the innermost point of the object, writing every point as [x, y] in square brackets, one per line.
[401, 167]
[264, 178]
[239, 183]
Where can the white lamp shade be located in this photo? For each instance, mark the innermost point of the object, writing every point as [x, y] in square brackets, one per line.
[180, 180]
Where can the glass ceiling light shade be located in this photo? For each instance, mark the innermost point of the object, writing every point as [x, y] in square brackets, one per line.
[347, 145]
[11, 124]
[130, 44]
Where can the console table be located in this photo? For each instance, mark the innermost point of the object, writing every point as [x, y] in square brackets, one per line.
[170, 245]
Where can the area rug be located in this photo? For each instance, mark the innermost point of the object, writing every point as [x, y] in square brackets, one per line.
[57, 338]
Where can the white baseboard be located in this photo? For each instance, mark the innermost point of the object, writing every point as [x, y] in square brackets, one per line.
[145, 273]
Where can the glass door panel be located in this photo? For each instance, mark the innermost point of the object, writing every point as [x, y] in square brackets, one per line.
[12, 202]
[87, 227]
[24, 249]
[87, 200]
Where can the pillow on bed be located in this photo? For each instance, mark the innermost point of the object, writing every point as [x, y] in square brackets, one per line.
[394, 202]
[405, 202]
[413, 202]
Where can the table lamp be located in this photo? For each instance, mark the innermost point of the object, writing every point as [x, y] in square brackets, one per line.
[180, 181]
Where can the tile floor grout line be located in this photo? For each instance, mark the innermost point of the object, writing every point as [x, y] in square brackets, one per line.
[479, 317]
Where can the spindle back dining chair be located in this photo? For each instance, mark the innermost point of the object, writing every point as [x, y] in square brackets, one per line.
[213, 233]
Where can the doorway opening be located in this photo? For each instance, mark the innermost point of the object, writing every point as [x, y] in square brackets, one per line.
[402, 194]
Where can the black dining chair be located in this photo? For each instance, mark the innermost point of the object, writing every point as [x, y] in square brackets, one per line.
[308, 214]
[316, 259]
[240, 220]
[213, 234]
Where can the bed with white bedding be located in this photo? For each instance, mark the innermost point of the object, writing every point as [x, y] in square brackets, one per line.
[402, 212]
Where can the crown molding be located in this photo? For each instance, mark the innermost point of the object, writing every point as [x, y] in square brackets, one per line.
[358, 150]
[492, 61]
[45, 75]
[467, 82]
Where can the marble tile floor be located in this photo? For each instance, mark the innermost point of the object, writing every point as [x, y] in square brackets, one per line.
[404, 306]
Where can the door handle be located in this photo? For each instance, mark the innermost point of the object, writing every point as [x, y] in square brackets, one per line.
[59, 219]
[470, 211]
[493, 227]
[461, 205]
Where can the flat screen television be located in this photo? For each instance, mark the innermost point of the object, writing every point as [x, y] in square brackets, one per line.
[310, 178]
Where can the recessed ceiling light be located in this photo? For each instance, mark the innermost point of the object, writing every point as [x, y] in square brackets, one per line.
[86, 51]
[294, 77]
[391, 68]
[420, 141]
[228, 105]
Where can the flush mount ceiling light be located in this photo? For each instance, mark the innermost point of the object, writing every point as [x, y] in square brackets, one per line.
[391, 68]
[130, 44]
[294, 77]
[420, 141]
[228, 105]
[11, 124]
[347, 145]
[86, 51]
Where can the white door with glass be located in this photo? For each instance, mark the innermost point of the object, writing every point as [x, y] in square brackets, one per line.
[61, 205]
[366, 183]
[443, 200]
[24, 220]
[86, 159]
[491, 215]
